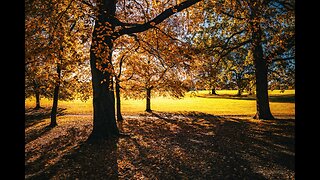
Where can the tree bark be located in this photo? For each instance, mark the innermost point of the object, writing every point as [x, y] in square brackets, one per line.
[37, 100]
[119, 115]
[148, 100]
[213, 91]
[104, 122]
[239, 92]
[55, 99]
[261, 72]
[37, 94]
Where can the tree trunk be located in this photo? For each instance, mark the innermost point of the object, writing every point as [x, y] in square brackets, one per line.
[261, 72]
[55, 99]
[37, 100]
[213, 91]
[104, 122]
[37, 94]
[148, 99]
[239, 92]
[119, 116]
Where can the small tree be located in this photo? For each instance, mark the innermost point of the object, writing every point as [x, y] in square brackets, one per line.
[240, 69]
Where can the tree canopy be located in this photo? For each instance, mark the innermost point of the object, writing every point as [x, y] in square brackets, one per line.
[89, 47]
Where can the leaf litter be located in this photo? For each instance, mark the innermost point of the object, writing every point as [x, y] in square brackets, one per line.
[184, 145]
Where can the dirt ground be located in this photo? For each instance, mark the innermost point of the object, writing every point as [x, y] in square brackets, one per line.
[160, 145]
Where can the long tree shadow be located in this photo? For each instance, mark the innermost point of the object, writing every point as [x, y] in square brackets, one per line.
[168, 146]
[77, 160]
[37, 133]
[203, 146]
[35, 116]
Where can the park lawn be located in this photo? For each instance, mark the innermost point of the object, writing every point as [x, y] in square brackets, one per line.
[169, 143]
[225, 103]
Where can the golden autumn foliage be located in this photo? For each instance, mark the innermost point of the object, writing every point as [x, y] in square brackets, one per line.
[98, 49]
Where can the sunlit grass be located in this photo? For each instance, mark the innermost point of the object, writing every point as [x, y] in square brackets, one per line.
[225, 103]
[72, 107]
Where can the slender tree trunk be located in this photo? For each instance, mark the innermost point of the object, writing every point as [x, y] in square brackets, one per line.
[104, 122]
[119, 116]
[261, 72]
[213, 91]
[37, 94]
[148, 100]
[239, 92]
[251, 92]
[55, 99]
[37, 100]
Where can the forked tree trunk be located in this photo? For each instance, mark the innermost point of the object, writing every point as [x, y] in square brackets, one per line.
[104, 122]
[119, 115]
[148, 100]
[55, 99]
[261, 72]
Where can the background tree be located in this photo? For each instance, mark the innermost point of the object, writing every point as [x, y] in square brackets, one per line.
[240, 69]
[264, 26]
[157, 67]
[56, 42]
[208, 73]
[124, 47]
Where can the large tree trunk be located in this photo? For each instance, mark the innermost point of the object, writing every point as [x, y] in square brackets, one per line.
[119, 116]
[148, 100]
[261, 72]
[104, 122]
[55, 99]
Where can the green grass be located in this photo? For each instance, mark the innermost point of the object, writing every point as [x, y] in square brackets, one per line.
[225, 103]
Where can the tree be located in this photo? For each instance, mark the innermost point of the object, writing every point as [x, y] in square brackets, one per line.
[240, 69]
[35, 82]
[124, 46]
[54, 39]
[266, 27]
[107, 29]
[207, 73]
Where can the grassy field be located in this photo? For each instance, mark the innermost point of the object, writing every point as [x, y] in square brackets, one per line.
[225, 103]
[169, 143]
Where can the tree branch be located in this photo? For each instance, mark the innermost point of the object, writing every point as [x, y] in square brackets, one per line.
[160, 18]
[231, 49]
[282, 59]
[230, 15]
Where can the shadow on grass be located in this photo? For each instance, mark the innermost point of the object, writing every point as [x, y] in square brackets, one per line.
[37, 133]
[203, 146]
[173, 146]
[272, 98]
[68, 157]
[35, 116]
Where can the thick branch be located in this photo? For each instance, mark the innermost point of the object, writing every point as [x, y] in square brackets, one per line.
[160, 18]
